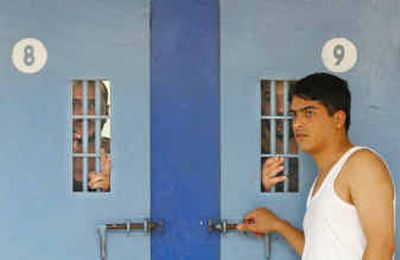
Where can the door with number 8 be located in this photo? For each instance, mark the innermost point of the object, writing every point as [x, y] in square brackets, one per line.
[55, 113]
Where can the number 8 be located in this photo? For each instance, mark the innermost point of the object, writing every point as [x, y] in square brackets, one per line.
[29, 58]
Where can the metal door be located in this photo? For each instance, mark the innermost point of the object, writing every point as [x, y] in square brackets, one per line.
[42, 218]
[272, 41]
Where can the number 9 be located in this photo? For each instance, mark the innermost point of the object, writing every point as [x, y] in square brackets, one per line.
[338, 53]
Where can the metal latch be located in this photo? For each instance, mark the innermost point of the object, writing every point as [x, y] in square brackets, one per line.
[224, 226]
[221, 226]
[146, 226]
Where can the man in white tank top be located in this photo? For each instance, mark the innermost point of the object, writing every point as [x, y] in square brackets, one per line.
[350, 207]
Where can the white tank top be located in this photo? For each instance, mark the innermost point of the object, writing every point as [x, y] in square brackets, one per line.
[332, 228]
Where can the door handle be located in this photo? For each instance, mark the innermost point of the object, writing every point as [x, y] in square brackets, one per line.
[223, 226]
[267, 246]
[147, 226]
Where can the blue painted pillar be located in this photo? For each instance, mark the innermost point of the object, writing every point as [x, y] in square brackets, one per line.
[185, 127]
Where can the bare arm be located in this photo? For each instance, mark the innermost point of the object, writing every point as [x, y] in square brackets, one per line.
[261, 221]
[372, 193]
[293, 236]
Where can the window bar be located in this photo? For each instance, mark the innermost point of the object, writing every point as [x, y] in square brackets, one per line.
[268, 155]
[98, 99]
[87, 155]
[85, 141]
[286, 133]
[272, 121]
[73, 132]
[90, 117]
[273, 117]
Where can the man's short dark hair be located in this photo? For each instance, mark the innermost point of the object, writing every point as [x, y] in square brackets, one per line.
[330, 90]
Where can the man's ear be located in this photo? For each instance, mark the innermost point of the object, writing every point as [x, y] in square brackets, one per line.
[339, 119]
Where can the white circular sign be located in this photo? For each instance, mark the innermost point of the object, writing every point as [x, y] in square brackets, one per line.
[339, 55]
[29, 55]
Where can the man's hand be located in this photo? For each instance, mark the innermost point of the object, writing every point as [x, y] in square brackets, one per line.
[101, 180]
[260, 221]
[76, 143]
[270, 169]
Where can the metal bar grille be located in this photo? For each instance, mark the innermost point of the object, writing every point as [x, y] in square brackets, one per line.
[286, 132]
[85, 139]
[273, 121]
[275, 126]
[97, 125]
[89, 115]
[275, 117]
[87, 155]
[268, 155]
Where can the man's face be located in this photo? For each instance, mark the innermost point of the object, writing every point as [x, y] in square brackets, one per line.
[312, 125]
[91, 109]
[278, 100]
[279, 105]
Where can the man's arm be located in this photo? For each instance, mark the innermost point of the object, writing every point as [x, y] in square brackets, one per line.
[261, 221]
[372, 192]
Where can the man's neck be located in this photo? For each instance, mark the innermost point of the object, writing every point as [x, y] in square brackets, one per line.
[330, 154]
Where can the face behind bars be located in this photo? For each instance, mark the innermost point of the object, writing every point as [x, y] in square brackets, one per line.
[91, 131]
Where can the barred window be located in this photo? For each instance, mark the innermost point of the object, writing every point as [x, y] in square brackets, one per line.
[91, 140]
[277, 137]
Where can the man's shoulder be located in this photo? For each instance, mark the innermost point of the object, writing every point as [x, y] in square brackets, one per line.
[366, 166]
[365, 158]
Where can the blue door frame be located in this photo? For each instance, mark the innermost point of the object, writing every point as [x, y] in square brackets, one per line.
[185, 127]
